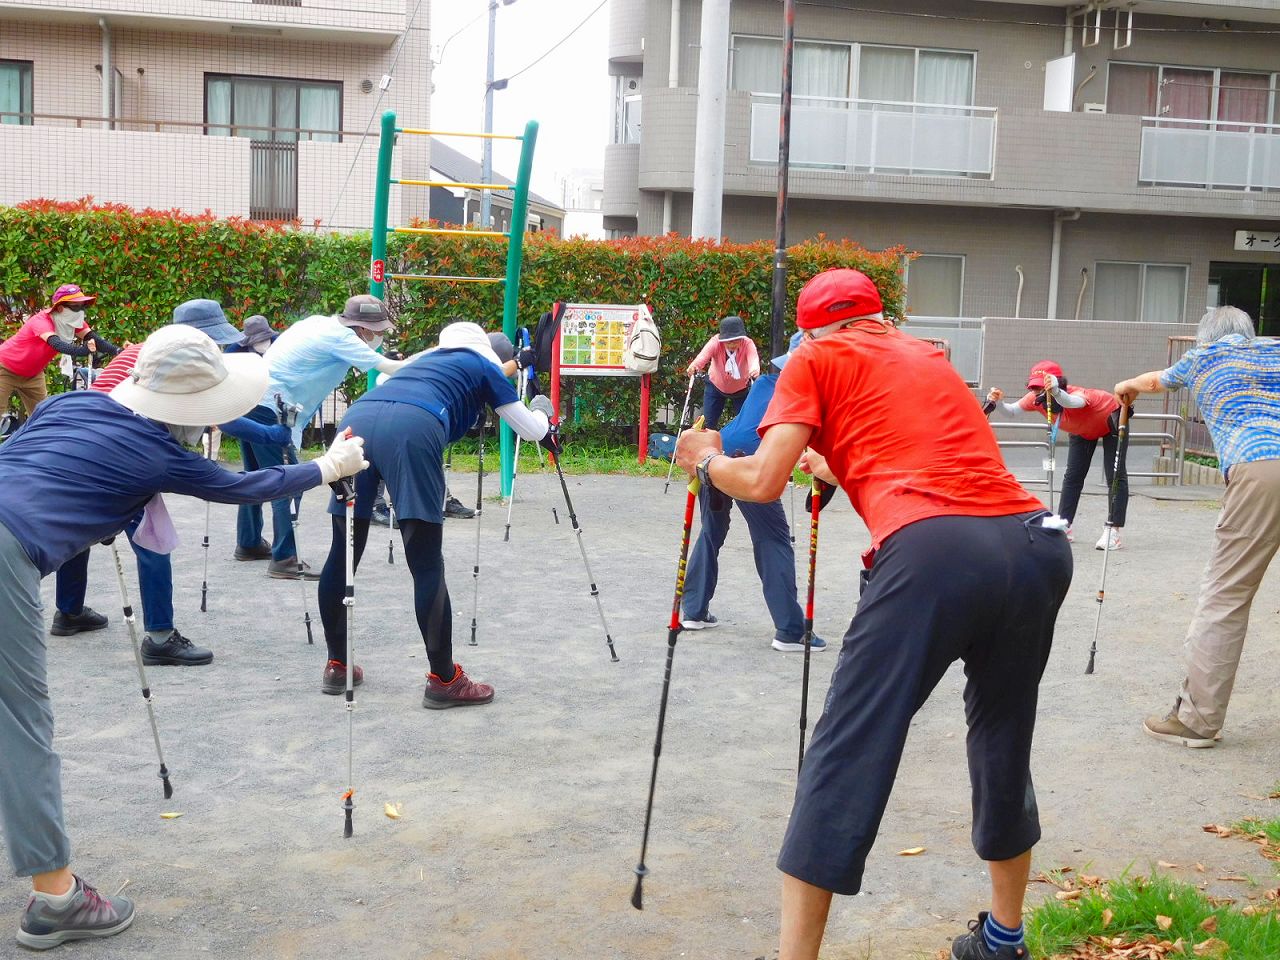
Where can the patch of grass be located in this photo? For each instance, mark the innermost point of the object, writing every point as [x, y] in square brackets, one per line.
[1202, 460]
[1152, 912]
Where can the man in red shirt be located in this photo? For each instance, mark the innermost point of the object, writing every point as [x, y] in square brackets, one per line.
[41, 337]
[961, 566]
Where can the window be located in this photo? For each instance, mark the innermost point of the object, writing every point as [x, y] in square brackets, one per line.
[1185, 93]
[626, 110]
[15, 92]
[264, 108]
[907, 75]
[935, 285]
[1150, 292]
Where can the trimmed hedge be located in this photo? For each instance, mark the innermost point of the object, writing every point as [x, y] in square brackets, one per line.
[143, 263]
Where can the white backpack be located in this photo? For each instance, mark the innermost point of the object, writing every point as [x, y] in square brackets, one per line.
[642, 346]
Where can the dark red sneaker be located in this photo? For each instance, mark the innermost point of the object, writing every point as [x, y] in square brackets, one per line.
[334, 680]
[461, 691]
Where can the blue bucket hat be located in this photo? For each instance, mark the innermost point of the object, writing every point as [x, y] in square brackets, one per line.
[207, 317]
[796, 339]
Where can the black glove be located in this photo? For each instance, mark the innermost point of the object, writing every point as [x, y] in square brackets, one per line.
[828, 492]
[524, 358]
[551, 442]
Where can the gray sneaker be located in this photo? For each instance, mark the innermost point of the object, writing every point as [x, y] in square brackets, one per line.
[89, 915]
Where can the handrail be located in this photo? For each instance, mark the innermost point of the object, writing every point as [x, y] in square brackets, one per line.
[157, 123]
[1212, 125]
[454, 185]
[457, 133]
[881, 103]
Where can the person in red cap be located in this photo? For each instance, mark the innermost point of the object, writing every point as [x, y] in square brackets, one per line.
[964, 565]
[42, 335]
[1087, 416]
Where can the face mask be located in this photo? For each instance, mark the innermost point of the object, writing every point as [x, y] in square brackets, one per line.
[261, 348]
[68, 322]
[187, 436]
[374, 342]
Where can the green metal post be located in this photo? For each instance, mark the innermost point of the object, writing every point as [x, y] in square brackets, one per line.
[381, 197]
[511, 289]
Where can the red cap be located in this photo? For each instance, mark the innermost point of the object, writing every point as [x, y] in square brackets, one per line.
[70, 293]
[1035, 379]
[836, 295]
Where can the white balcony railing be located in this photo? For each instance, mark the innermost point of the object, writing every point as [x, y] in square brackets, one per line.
[878, 136]
[1214, 154]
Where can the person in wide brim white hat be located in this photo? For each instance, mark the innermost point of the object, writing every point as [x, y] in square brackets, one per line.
[101, 458]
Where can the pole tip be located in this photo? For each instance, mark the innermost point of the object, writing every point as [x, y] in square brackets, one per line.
[637, 895]
[168, 788]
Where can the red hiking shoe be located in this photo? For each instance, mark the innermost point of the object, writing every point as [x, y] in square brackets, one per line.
[461, 691]
[334, 680]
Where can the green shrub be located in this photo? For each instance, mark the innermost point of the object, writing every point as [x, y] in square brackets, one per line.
[143, 263]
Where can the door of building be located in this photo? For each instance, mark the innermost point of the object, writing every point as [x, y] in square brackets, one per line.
[1253, 287]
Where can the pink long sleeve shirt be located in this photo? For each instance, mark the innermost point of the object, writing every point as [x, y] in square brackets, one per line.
[716, 352]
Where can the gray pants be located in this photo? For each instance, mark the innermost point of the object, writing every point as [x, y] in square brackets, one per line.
[30, 770]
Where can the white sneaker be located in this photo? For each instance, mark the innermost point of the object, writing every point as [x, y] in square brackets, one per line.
[1112, 544]
[707, 624]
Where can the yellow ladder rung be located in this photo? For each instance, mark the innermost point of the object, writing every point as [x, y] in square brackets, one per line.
[434, 276]
[437, 231]
[455, 133]
[456, 186]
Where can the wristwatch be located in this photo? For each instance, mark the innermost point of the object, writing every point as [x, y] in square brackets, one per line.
[701, 470]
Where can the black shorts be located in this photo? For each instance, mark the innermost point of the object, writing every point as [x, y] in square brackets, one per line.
[404, 445]
[985, 590]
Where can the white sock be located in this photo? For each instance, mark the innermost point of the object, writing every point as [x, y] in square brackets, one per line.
[58, 901]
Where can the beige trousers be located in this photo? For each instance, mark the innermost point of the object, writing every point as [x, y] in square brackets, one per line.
[1245, 540]
[30, 390]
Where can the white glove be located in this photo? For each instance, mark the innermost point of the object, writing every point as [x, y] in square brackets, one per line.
[540, 404]
[345, 458]
[1050, 382]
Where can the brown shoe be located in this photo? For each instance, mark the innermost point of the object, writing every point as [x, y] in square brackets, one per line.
[1173, 730]
[334, 680]
[461, 691]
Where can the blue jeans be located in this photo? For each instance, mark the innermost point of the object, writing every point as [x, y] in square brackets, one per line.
[713, 402]
[249, 517]
[155, 583]
[775, 562]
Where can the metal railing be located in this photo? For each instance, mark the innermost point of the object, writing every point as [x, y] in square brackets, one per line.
[161, 125]
[1213, 154]
[273, 180]
[1174, 442]
[964, 335]
[1048, 461]
[1198, 441]
[878, 136]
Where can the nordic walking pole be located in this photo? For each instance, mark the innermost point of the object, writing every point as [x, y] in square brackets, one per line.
[204, 581]
[1052, 432]
[792, 485]
[521, 380]
[680, 429]
[391, 528]
[288, 416]
[142, 670]
[345, 491]
[475, 570]
[577, 529]
[673, 632]
[1122, 443]
[815, 506]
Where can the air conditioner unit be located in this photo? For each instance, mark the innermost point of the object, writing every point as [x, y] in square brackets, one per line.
[1095, 108]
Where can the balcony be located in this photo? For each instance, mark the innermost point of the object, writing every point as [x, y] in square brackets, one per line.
[1213, 155]
[878, 136]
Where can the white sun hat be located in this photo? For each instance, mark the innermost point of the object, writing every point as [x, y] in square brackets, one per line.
[465, 335]
[181, 377]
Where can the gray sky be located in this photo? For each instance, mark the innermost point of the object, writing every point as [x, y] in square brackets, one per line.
[568, 93]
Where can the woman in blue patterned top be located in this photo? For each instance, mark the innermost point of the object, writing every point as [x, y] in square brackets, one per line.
[1235, 380]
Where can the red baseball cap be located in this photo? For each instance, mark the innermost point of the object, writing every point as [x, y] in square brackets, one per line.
[70, 293]
[833, 295]
[1035, 378]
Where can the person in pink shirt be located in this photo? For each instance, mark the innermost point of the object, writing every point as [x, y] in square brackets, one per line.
[1088, 416]
[734, 363]
[41, 337]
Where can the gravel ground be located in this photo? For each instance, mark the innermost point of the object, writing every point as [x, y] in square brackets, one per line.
[521, 821]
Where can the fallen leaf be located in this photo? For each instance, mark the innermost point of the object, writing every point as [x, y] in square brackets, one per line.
[1214, 828]
[1273, 894]
[392, 810]
[1213, 947]
[1163, 922]
[1234, 879]
[1090, 881]
[1209, 924]
[1199, 868]
[170, 816]
[1166, 864]
[911, 852]
[1107, 917]
[1069, 894]
[1221, 901]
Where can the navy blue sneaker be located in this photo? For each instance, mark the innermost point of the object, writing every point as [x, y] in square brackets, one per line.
[796, 645]
[708, 622]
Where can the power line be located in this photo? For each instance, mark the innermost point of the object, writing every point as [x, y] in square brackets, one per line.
[558, 43]
[466, 26]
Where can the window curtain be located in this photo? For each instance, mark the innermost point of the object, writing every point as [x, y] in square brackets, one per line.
[886, 73]
[1163, 293]
[1186, 94]
[944, 78]
[251, 109]
[1132, 89]
[11, 92]
[217, 107]
[285, 97]
[1243, 97]
[1117, 291]
[757, 65]
[631, 113]
[935, 286]
[819, 70]
[318, 110]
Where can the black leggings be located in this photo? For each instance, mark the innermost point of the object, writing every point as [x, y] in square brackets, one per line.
[1079, 457]
[424, 555]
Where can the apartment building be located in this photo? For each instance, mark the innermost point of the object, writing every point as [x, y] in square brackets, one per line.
[247, 108]
[1114, 161]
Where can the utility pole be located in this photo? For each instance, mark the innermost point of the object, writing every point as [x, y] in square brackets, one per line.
[708, 148]
[777, 315]
[486, 145]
